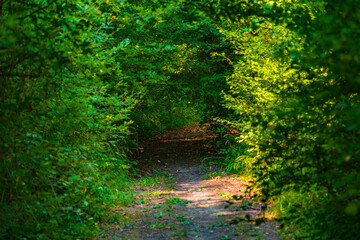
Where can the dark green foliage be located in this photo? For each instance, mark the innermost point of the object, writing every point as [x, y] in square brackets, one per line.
[78, 78]
[83, 81]
[169, 56]
[64, 119]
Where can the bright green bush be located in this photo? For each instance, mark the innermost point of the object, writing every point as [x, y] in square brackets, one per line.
[296, 96]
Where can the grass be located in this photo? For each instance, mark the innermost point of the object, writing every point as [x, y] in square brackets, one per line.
[195, 230]
[181, 218]
[212, 171]
[162, 181]
[158, 215]
[216, 174]
[158, 193]
[214, 226]
[145, 199]
[225, 195]
[176, 201]
[157, 179]
[183, 233]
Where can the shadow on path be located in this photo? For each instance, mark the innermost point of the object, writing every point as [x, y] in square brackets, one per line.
[197, 207]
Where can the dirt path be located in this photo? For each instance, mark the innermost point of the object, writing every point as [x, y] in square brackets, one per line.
[200, 204]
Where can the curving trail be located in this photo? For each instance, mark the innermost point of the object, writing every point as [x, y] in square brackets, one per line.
[196, 207]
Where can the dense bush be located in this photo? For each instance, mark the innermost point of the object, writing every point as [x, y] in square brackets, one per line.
[64, 118]
[83, 81]
[295, 90]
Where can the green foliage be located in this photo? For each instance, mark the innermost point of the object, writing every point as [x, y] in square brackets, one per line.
[168, 54]
[176, 201]
[83, 81]
[64, 120]
[295, 92]
[152, 180]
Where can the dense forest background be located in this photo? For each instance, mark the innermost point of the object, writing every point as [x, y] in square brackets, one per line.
[83, 82]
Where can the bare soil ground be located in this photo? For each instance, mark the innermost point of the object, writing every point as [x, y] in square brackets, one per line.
[200, 204]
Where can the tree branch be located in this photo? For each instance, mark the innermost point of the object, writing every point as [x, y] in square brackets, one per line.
[42, 8]
[18, 62]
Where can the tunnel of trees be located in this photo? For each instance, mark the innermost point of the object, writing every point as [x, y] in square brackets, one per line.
[84, 81]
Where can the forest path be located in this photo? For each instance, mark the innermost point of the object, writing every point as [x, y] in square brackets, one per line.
[195, 207]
